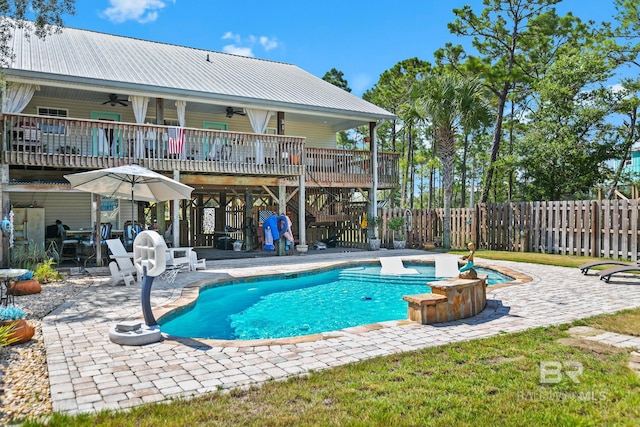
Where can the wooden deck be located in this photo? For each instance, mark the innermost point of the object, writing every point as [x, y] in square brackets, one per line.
[92, 144]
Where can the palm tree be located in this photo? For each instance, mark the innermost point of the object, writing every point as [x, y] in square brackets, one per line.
[449, 101]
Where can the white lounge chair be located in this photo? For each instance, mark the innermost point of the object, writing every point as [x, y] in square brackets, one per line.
[197, 263]
[394, 266]
[122, 268]
[446, 266]
[179, 257]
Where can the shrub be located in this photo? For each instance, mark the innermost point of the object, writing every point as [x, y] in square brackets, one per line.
[45, 272]
[396, 224]
[28, 255]
[5, 335]
[11, 312]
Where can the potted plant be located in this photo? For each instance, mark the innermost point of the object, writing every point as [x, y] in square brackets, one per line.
[14, 317]
[374, 241]
[396, 224]
[25, 285]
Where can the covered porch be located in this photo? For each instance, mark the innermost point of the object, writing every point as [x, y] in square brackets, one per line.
[32, 140]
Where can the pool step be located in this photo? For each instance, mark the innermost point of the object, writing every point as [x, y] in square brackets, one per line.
[406, 279]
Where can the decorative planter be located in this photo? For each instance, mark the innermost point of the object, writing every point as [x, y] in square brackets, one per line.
[21, 332]
[399, 244]
[374, 244]
[429, 246]
[25, 287]
[294, 159]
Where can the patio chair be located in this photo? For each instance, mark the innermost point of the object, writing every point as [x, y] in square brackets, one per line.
[197, 263]
[606, 274]
[179, 257]
[584, 268]
[122, 268]
[69, 248]
[92, 244]
[130, 233]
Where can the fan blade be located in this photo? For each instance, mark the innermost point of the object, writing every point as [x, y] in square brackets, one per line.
[105, 102]
[123, 103]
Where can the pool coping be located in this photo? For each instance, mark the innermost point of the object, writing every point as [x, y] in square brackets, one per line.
[191, 292]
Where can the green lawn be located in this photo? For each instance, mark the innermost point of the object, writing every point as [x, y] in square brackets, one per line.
[494, 381]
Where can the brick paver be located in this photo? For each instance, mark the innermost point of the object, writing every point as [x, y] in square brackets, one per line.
[88, 372]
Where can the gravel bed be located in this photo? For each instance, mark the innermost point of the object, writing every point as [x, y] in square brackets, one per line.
[24, 378]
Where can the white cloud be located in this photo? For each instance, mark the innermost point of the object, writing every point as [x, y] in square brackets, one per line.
[268, 43]
[142, 11]
[230, 36]
[238, 50]
[245, 45]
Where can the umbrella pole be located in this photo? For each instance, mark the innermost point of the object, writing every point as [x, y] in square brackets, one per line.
[133, 221]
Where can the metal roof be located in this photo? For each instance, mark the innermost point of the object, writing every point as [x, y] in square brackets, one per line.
[81, 57]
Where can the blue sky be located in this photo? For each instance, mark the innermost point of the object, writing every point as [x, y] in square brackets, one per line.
[360, 38]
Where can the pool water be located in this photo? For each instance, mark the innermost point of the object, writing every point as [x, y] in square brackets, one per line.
[279, 307]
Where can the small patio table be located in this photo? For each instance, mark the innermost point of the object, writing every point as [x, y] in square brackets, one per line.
[6, 274]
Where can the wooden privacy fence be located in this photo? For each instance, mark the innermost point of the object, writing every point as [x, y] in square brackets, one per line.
[599, 228]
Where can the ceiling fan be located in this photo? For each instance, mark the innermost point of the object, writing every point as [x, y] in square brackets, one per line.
[231, 111]
[114, 99]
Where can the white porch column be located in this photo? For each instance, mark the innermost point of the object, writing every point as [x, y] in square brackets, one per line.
[6, 208]
[176, 215]
[97, 202]
[302, 213]
[282, 210]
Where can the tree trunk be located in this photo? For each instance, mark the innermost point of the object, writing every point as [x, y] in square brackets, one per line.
[628, 144]
[463, 174]
[495, 149]
[446, 152]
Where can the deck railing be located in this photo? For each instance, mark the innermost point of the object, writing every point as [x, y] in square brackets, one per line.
[326, 166]
[31, 140]
[62, 142]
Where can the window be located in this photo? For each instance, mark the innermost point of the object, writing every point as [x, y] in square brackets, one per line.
[53, 112]
[167, 122]
[214, 125]
[52, 127]
[171, 122]
[271, 131]
[109, 210]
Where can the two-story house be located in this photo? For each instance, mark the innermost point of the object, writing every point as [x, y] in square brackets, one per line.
[250, 135]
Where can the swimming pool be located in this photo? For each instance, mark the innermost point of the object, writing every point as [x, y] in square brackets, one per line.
[302, 303]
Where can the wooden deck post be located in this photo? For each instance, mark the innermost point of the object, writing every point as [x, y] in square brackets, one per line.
[248, 219]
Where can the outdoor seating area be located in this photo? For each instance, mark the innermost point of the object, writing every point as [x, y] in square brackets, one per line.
[177, 259]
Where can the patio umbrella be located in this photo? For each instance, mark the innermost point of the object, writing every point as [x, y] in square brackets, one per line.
[131, 182]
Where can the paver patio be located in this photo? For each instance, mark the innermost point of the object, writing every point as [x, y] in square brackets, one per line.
[88, 372]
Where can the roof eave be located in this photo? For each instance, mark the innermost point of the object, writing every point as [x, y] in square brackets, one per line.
[84, 83]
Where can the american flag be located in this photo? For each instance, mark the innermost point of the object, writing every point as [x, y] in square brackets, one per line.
[176, 140]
